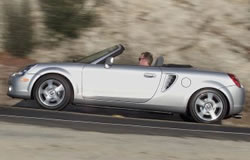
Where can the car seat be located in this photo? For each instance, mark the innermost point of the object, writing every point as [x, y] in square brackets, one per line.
[159, 61]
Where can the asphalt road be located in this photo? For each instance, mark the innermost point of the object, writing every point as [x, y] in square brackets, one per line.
[118, 121]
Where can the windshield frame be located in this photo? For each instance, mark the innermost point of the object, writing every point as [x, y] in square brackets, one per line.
[101, 56]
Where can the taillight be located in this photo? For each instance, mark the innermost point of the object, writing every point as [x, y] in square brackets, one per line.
[234, 79]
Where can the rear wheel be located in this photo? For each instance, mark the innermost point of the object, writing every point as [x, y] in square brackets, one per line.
[208, 106]
[52, 92]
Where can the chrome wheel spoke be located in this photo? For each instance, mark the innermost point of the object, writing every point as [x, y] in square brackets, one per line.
[50, 84]
[200, 102]
[45, 93]
[201, 113]
[218, 105]
[210, 96]
[57, 98]
[47, 100]
[59, 88]
[212, 114]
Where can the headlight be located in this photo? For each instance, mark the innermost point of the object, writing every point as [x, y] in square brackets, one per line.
[24, 70]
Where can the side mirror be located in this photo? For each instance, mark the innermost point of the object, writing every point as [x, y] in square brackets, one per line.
[109, 61]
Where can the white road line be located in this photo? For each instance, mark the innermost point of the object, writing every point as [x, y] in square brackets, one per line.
[125, 125]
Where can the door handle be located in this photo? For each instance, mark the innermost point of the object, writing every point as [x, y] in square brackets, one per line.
[149, 75]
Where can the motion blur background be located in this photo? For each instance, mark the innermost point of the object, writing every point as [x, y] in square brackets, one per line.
[213, 35]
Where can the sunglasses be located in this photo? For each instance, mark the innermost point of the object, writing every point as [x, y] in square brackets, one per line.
[141, 59]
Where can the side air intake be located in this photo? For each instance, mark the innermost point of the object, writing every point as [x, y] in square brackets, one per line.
[168, 82]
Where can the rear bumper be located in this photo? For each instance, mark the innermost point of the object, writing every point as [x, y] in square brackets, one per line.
[236, 97]
[17, 88]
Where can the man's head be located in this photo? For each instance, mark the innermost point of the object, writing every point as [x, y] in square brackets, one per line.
[145, 59]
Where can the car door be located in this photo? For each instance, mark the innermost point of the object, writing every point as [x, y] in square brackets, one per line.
[120, 82]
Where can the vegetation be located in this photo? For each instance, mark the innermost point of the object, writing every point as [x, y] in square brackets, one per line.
[18, 33]
[66, 17]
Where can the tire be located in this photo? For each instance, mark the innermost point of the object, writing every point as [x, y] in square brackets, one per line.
[208, 106]
[52, 92]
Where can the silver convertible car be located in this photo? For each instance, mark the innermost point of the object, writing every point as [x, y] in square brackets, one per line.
[202, 96]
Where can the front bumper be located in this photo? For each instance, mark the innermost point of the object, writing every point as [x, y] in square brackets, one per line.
[18, 86]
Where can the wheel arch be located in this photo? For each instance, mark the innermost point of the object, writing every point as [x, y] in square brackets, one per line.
[58, 74]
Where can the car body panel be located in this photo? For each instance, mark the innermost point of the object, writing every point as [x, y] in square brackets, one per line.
[121, 83]
[71, 71]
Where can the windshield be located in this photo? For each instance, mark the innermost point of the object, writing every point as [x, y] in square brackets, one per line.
[97, 55]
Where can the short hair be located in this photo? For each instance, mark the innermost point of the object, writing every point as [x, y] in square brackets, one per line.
[148, 56]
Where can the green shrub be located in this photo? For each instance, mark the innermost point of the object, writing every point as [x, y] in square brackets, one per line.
[66, 17]
[18, 32]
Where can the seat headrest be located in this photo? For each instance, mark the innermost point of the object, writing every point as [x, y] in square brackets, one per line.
[159, 61]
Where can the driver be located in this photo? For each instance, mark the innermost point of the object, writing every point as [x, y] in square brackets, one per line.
[145, 59]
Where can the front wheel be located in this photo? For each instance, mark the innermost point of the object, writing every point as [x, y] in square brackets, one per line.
[208, 106]
[52, 92]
